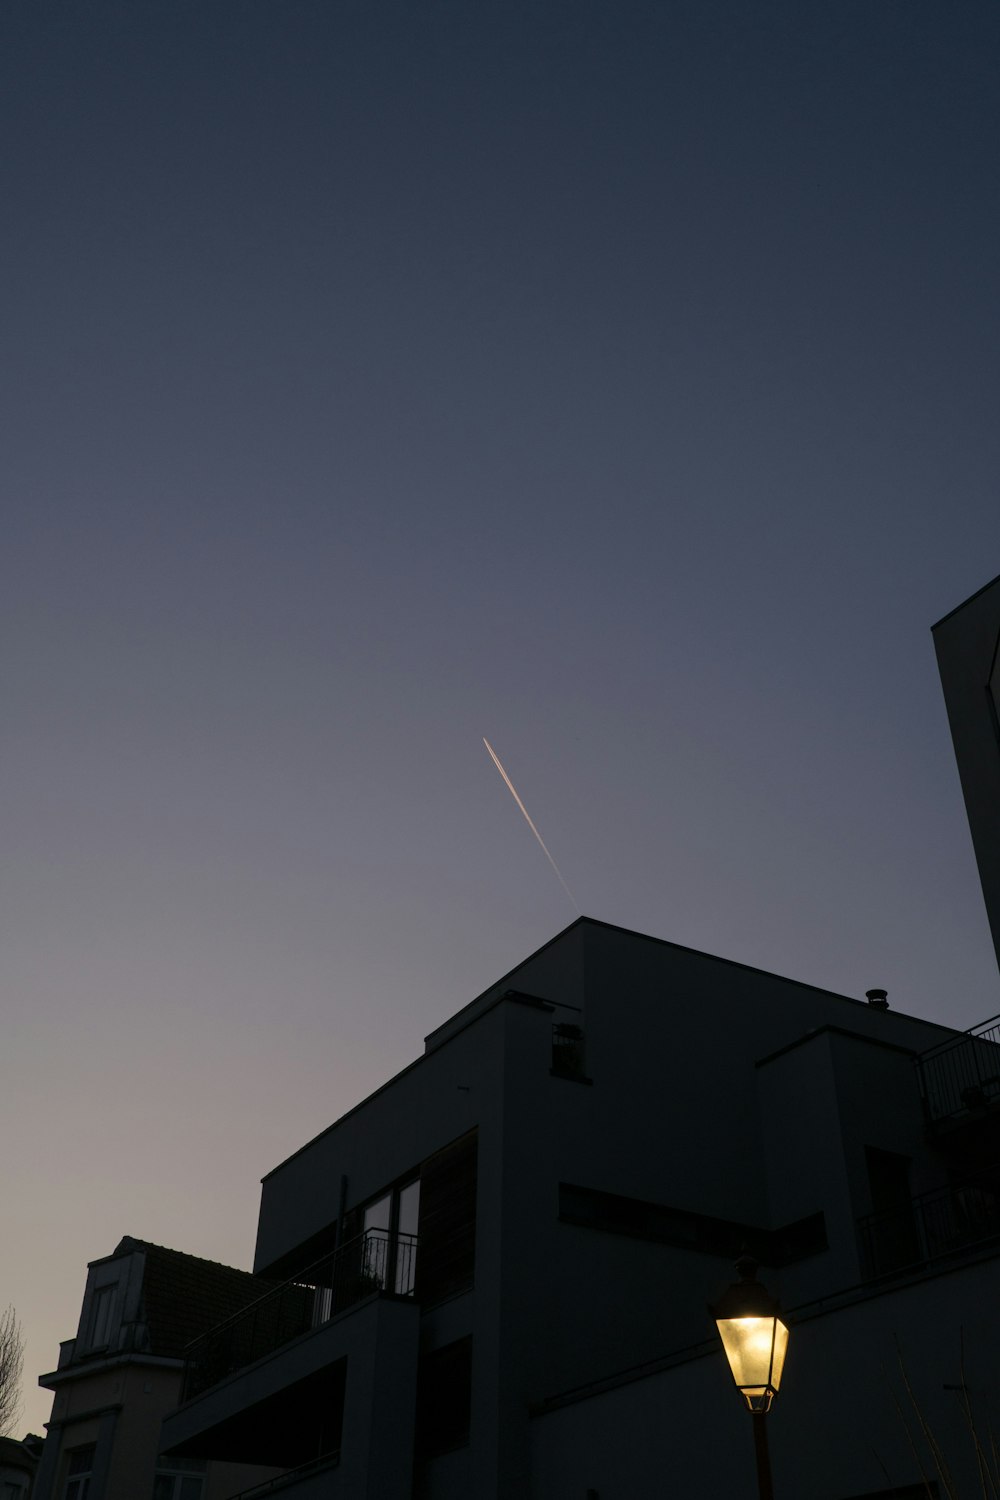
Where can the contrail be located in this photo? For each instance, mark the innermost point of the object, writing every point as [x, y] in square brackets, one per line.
[510, 787]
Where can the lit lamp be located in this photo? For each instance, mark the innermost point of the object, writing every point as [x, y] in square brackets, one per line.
[755, 1340]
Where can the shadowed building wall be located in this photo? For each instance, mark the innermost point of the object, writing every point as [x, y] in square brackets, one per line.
[967, 642]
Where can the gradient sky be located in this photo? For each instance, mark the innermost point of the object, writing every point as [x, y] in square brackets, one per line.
[618, 381]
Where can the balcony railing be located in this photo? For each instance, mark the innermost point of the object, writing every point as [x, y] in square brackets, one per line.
[931, 1227]
[376, 1261]
[961, 1077]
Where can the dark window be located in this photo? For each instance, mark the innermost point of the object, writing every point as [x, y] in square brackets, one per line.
[407, 1226]
[444, 1399]
[447, 1236]
[891, 1228]
[567, 1050]
[179, 1479]
[101, 1316]
[78, 1472]
[888, 1179]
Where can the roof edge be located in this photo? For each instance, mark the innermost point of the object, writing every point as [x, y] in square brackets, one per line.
[965, 602]
[580, 921]
[564, 932]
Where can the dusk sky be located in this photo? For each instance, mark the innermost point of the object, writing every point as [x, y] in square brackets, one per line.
[617, 381]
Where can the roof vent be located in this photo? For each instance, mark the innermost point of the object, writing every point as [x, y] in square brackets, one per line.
[877, 999]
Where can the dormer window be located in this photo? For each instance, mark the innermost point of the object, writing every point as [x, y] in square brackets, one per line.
[102, 1315]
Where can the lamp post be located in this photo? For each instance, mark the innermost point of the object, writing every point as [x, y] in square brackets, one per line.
[755, 1340]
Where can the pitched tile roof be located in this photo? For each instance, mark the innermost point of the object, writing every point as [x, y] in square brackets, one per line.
[183, 1296]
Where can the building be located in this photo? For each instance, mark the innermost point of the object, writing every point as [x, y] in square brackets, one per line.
[18, 1463]
[967, 642]
[496, 1268]
[142, 1306]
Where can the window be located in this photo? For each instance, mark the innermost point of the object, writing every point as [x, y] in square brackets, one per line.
[444, 1399]
[567, 1050]
[433, 1213]
[378, 1251]
[78, 1472]
[179, 1479]
[101, 1316]
[389, 1227]
[889, 1232]
[407, 1222]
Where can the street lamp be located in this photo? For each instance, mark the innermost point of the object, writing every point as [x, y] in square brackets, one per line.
[755, 1340]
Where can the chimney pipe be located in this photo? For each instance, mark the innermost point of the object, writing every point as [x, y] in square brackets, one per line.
[878, 999]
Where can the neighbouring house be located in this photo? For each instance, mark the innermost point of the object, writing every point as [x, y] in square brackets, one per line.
[18, 1463]
[142, 1306]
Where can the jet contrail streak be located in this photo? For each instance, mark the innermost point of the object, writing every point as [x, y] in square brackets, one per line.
[513, 792]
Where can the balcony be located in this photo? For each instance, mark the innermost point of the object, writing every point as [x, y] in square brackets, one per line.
[374, 1262]
[932, 1227]
[960, 1078]
[317, 1379]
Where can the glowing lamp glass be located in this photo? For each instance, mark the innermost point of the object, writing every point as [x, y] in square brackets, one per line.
[755, 1348]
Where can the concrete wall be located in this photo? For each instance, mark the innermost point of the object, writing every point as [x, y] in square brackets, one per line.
[145, 1394]
[966, 645]
[803, 1150]
[842, 1426]
[674, 1115]
[823, 1102]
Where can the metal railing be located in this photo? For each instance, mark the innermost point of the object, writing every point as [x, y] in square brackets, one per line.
[962, 1075]
[931, 1226]
[376, 1261]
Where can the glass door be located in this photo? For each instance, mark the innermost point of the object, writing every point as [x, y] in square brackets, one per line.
[407, 1219]
[376, 1269]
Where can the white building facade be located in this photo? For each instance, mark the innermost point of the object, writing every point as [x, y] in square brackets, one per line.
[496, 1269]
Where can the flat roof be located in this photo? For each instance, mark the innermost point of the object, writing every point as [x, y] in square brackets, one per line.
[500, 997]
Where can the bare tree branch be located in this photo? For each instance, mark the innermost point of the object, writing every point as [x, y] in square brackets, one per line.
[11, 1362]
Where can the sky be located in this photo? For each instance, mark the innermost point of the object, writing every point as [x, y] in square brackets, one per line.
[617, 382]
